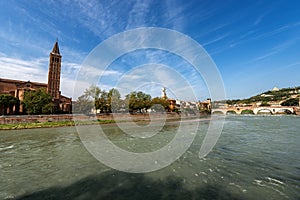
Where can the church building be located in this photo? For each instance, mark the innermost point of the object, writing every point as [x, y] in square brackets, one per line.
[17, 88]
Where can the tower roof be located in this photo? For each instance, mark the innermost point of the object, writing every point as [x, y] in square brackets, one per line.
[55, 48]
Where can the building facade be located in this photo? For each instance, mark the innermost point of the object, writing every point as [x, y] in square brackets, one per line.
[17, 88]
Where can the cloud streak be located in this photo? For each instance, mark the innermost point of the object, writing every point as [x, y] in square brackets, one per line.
[32, 70]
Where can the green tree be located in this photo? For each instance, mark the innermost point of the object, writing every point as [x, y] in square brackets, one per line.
[93, 92]
[264, 103]
[144, 100]
[138, 101]
[89, 100]
[291, 102]
[83, 105]
[7, 101]
[114, 100]
[102, 102]
[160, 104]
[37, 102]
[247, 112]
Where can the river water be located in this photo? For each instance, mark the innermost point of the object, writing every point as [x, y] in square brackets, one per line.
[256, 157]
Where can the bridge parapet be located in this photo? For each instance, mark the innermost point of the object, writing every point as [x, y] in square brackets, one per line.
[256, 110]
[273, 110]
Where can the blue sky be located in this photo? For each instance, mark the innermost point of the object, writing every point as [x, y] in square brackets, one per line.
[254, 44]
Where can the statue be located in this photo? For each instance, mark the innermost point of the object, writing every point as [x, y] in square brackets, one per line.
[163, 93]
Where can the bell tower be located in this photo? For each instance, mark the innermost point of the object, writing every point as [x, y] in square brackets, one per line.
[54, 72]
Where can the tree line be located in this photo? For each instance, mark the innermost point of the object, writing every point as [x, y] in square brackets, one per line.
[40, 102]
[111, 102]
[7, 102]
[33, 102]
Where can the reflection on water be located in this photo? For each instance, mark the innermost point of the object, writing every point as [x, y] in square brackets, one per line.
[256, 157]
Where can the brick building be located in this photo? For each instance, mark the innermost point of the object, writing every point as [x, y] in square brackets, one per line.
[17, 88]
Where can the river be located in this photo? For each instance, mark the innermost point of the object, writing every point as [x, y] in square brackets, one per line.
[256, 157]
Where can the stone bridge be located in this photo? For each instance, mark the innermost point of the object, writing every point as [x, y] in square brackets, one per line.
[256, 110]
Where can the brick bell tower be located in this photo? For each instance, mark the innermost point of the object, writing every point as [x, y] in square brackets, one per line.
[54, 73]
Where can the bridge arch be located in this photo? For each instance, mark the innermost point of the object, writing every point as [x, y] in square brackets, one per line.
[231, 112]
[273, 110]
[218, 111]
[284, 111]
[264, 111]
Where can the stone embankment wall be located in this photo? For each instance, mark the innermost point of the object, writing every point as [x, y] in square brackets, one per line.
[17, 119]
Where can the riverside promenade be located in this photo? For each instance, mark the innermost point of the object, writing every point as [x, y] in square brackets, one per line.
[22, 119]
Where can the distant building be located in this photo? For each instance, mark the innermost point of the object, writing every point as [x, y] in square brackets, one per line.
[205, 105]
[186, 106]
[275, 89]
[17, 88]
[173, 106]
[266, 95]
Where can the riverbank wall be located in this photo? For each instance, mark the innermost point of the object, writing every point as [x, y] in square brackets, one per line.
[22, 119]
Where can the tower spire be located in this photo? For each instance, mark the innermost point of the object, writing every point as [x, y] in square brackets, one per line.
[55, 49]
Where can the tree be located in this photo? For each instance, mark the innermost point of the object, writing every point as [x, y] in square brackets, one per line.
[144, 100]
[138, 101]
[131, 102]
[102, 102]
[94, 97]
[114, 100]
[37, 102]
[247, 112]
[89, 100]
[83, 105]
[264, 103]
[160, 104]
[291, 102]
[92, 92]
[7, 101]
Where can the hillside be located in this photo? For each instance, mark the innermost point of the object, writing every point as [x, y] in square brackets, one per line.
[284, 97]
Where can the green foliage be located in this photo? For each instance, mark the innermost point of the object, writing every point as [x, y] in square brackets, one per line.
[291, 102]
[160, 104]
[138, 101]
[94, 97]
[264, 103]
[93, 92]
[268, 96]
[109, 102]
[37, 102]
[102, 103]
[7, 101]
[247, 112]
[114, 100]
[83, 105]
[233, 101]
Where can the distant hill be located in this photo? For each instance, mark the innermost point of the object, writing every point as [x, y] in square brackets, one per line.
[284, 97]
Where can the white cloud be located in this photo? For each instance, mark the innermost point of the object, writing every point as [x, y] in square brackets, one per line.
[90, 73]
[216, 39]
[138, 14]
[35, 70]
[14, 68]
